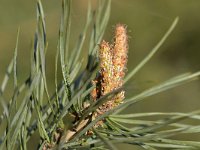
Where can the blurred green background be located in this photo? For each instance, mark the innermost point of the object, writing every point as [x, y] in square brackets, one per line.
[147, 21]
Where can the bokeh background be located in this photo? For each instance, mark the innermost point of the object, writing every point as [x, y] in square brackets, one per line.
[147, 22]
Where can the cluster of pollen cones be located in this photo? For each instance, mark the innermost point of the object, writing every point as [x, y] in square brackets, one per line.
[113, 60]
